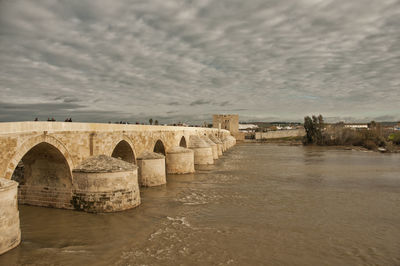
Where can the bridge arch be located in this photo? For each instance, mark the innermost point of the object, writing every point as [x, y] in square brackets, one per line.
[43, 171]
[26, 146]
[159, 147]
[183, 142]
[124, 150]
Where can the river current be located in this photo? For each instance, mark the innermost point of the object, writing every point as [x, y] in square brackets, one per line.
[260, 204]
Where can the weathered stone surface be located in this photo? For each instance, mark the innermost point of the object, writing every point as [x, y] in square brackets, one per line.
[44, 178]
[179, 150]
[213, 146]
[151, 169]
[105, 184]
[148, 155]
[196, 141]
[217, 141]
[180, 160]
[224, 141]
[152, 173]
[104, 164]
[10, 233]
[203, 153]
[231, 141]
[228, 142]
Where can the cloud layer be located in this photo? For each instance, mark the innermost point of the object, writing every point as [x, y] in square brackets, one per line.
[185, 60]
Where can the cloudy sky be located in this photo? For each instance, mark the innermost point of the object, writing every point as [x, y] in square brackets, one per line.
[184, 60]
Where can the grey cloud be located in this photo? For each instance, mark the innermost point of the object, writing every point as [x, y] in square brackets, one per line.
[225, 103]
[39, 106]
[386, 118]
[9, 111]
[261, 58]
[200, 102]
[67, 99]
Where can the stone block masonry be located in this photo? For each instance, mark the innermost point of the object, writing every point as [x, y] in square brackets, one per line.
[180, 160]
[151, 169]
[105, 184]
[10, 233]
[203, 153]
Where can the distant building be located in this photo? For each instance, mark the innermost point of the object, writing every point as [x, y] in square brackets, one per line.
[356, 126]
[229, 122]
[247, 127]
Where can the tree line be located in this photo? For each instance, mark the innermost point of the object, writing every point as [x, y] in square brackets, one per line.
[319, 133]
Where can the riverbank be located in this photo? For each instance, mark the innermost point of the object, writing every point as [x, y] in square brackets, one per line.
[387, 149]
[297, 141]
[286, 140]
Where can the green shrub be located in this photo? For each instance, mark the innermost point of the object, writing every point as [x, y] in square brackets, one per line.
[371, 138]
[395, 138]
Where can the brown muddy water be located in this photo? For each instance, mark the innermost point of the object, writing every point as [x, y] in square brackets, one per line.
[260, 204]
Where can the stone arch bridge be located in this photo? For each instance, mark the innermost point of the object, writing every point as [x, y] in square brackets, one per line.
[42, 156]
[77, 141]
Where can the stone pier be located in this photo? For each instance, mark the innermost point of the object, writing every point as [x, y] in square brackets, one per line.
[105, 184]
[203, 153]
[180, 160]
[10, 233]
[151, 169]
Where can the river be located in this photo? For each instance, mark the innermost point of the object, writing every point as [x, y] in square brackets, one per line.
[260, 204]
